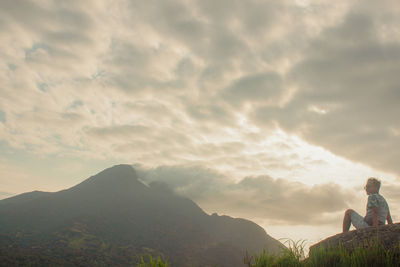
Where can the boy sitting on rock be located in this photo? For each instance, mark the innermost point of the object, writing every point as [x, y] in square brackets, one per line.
[377, 209]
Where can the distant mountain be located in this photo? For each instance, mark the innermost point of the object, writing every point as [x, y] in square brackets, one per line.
[112, 218]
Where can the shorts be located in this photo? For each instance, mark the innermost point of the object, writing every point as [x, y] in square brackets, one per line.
[358, 221]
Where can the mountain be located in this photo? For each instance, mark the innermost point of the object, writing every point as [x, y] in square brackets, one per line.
[112, 218]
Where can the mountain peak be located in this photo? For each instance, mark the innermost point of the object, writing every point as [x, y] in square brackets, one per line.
[121, 176]
[120, 170]
[117, 218]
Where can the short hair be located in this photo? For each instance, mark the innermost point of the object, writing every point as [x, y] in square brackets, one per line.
[375, 182]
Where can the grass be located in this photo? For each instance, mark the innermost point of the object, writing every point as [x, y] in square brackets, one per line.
[375, 255]
[293, 256]
[152, 263]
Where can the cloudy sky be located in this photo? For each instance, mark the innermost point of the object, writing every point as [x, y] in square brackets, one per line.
[275, 111]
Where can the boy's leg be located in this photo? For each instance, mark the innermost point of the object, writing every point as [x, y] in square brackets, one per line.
[347, 220]
[352, 217]
[358, 221]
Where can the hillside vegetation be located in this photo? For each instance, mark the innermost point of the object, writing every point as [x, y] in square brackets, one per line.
[113, 219]
[374, 256]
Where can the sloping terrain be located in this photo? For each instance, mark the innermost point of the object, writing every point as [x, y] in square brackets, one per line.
[112, 218]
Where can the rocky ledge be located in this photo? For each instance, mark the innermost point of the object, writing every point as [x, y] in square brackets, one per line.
[387, 235]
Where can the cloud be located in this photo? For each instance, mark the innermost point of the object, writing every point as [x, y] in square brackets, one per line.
[265, 87]
[347, 91]
[236, 86]
[121, 131]
[179, 55]
[278, 201]
[211, 114]
[200, 82]
[3, 116]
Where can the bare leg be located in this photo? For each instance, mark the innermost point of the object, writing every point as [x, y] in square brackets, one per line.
[347, 220]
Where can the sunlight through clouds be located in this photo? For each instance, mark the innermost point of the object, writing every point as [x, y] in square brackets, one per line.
[295, 90]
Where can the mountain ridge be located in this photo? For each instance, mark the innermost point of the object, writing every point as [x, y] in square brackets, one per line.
[113, 207]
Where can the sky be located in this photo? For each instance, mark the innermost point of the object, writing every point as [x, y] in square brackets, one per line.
[274, 111]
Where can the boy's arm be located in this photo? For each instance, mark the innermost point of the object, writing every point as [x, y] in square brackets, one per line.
[375, 216]
[389, 218]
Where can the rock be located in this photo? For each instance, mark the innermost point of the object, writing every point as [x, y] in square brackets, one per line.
[387, 235]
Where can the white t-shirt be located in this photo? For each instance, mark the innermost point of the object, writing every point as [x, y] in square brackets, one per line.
[376, 200]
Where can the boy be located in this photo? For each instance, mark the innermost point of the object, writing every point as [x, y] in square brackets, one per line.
[377, 209]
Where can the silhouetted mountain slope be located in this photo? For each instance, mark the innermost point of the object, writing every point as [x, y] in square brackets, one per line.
[25, 197]
[112, 218]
